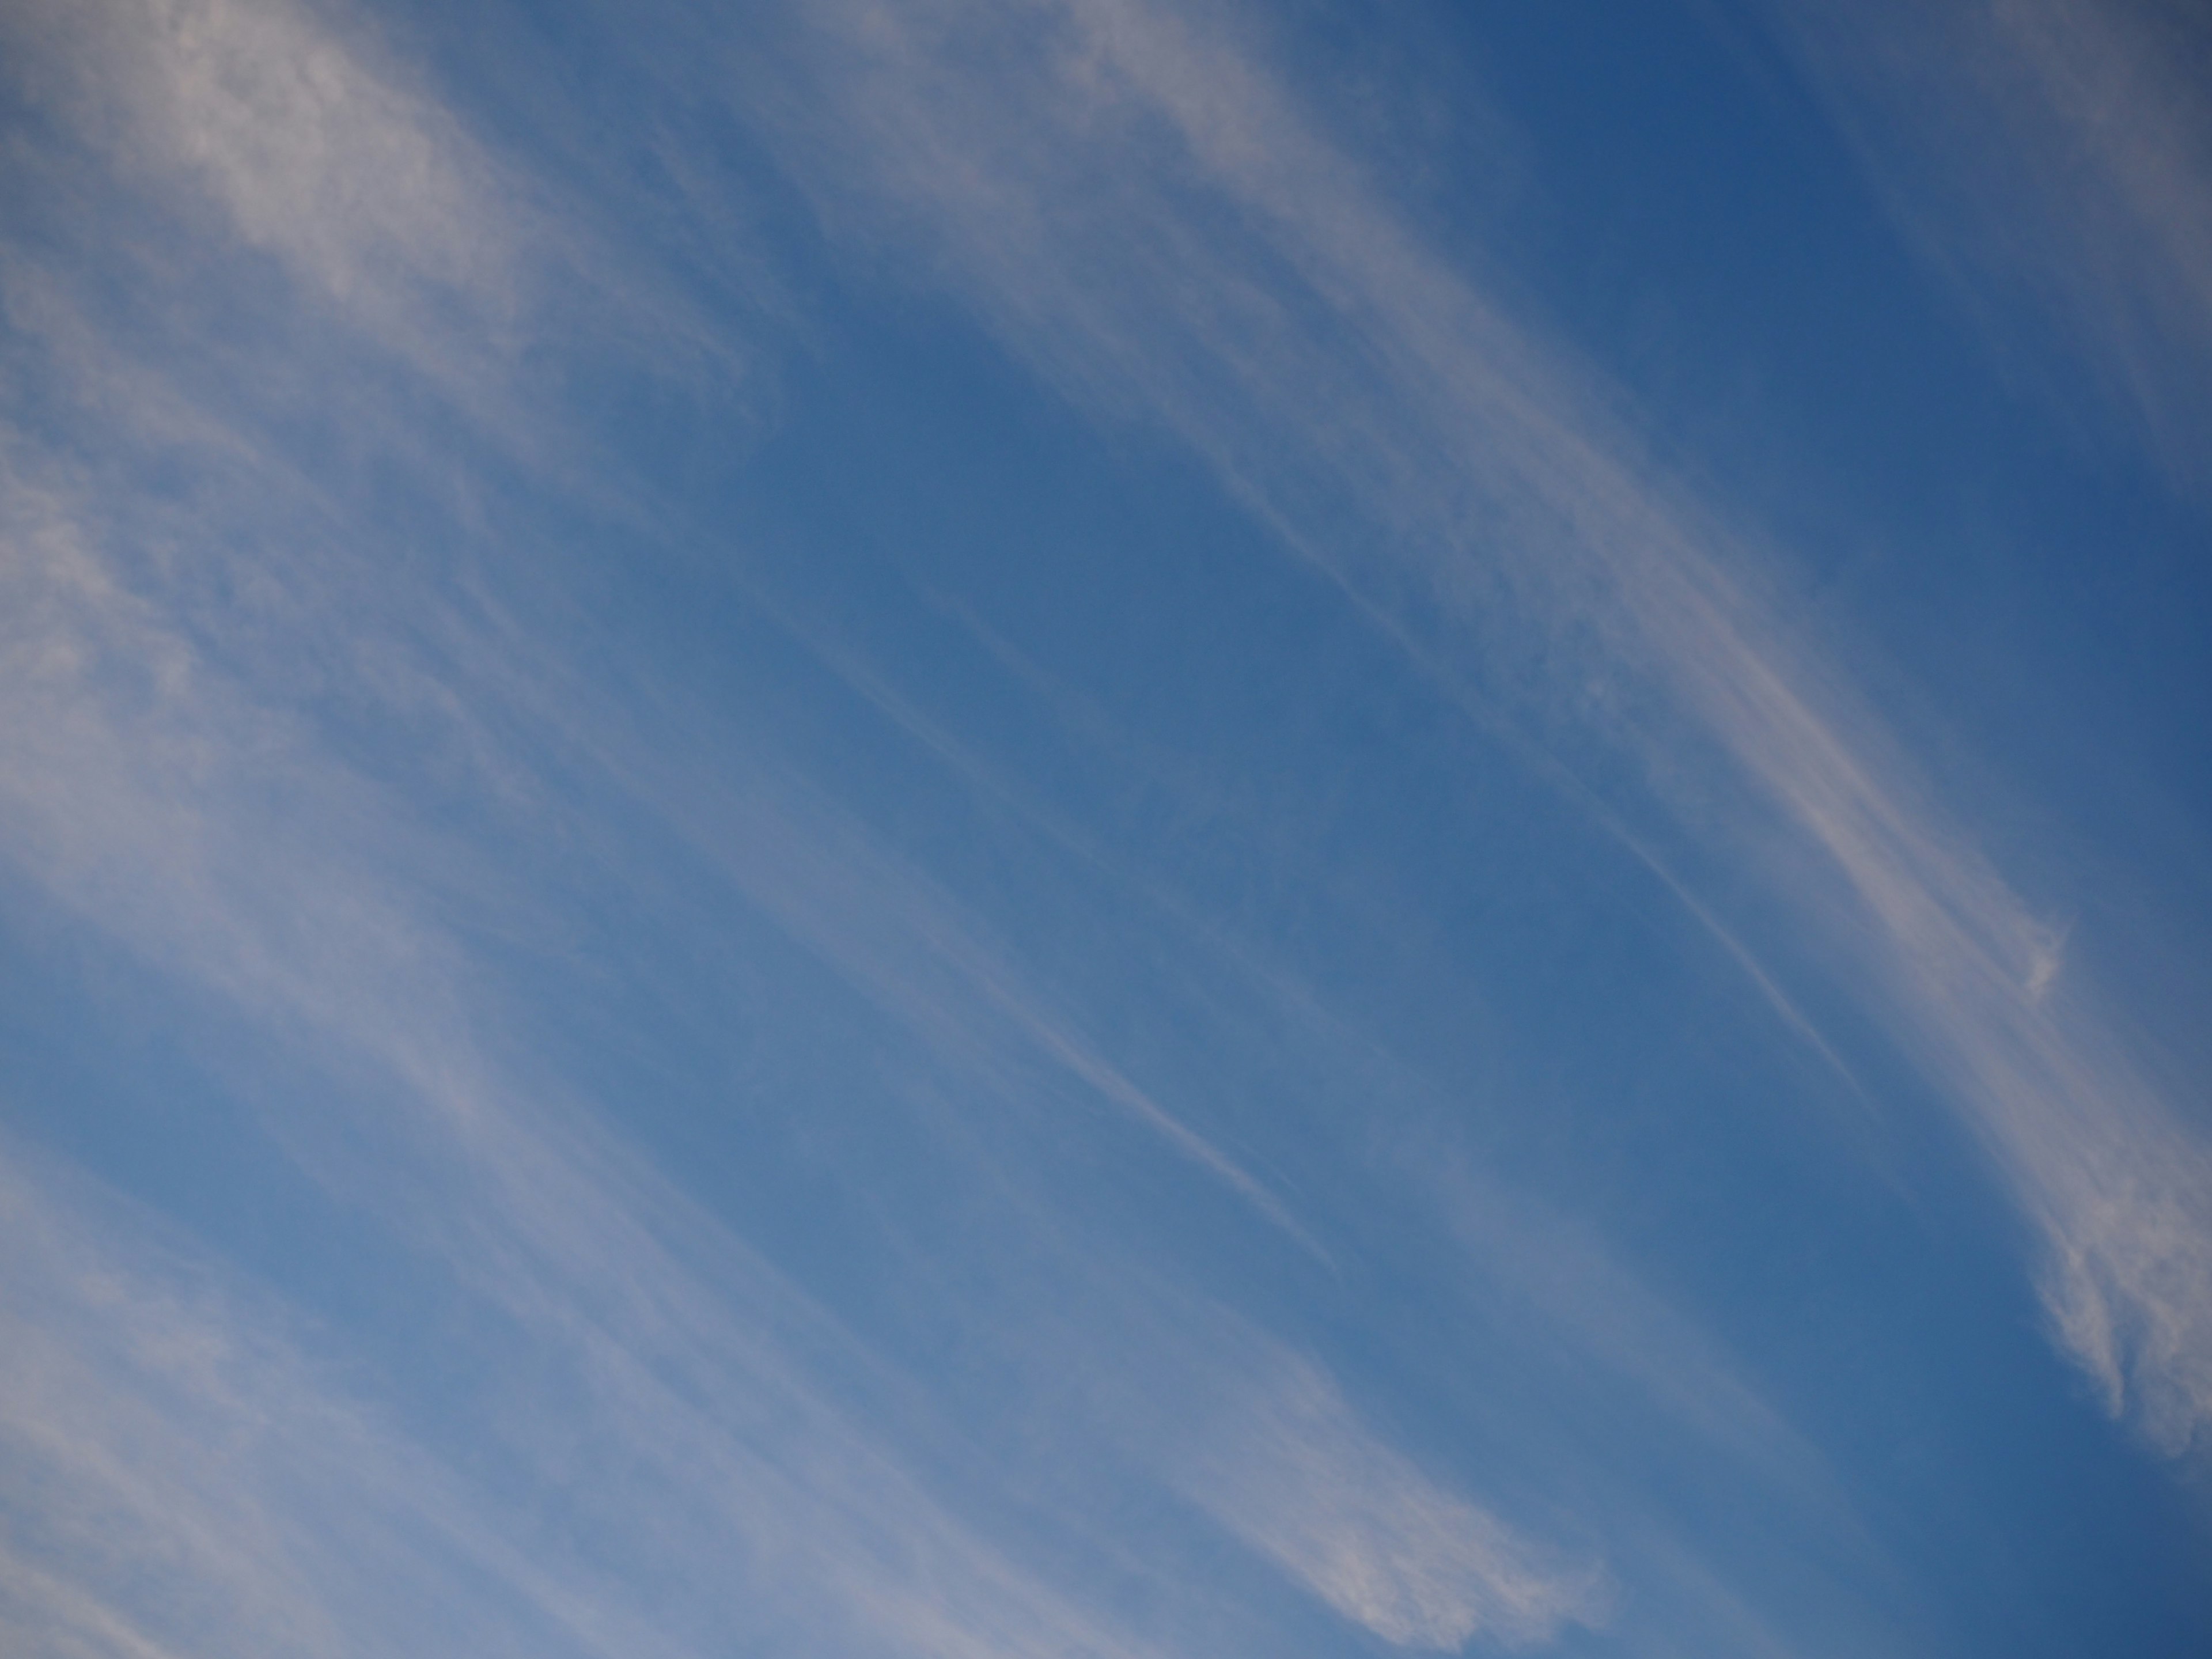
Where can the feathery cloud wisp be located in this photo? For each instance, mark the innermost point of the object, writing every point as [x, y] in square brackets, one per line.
[1138, 206]
[2053, 159]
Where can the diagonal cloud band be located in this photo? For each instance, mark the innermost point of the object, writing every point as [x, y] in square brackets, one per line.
[1477, 489]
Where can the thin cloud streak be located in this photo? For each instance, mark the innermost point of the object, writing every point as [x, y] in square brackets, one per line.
[1295, 1475]
[1138, 208]
[165, 786]
[149, 789]
[2053, 159]
[1522, 1260]
[382, 204]
[682, 1371]
[907, 944]
[553, 1234]
[159, 787]
[198, 1488]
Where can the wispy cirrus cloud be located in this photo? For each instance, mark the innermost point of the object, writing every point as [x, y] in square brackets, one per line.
[1293, 1474]
[200, 833]
[182, 1479]
[261, 745]
[2052, 158]
[297, 136]
[148, 809]
[663, 1395]
[1136, 203]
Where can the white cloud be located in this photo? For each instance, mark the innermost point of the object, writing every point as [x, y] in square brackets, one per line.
[204, 128]
[714, 1454]
[148, 790]
[181, 1481]
[1133, 203]
[2054, 152]
[199, 1490]
[306, 144]
[158, 779]
[1291, 1471]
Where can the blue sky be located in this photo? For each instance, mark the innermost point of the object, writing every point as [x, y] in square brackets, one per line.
[1102, 828]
